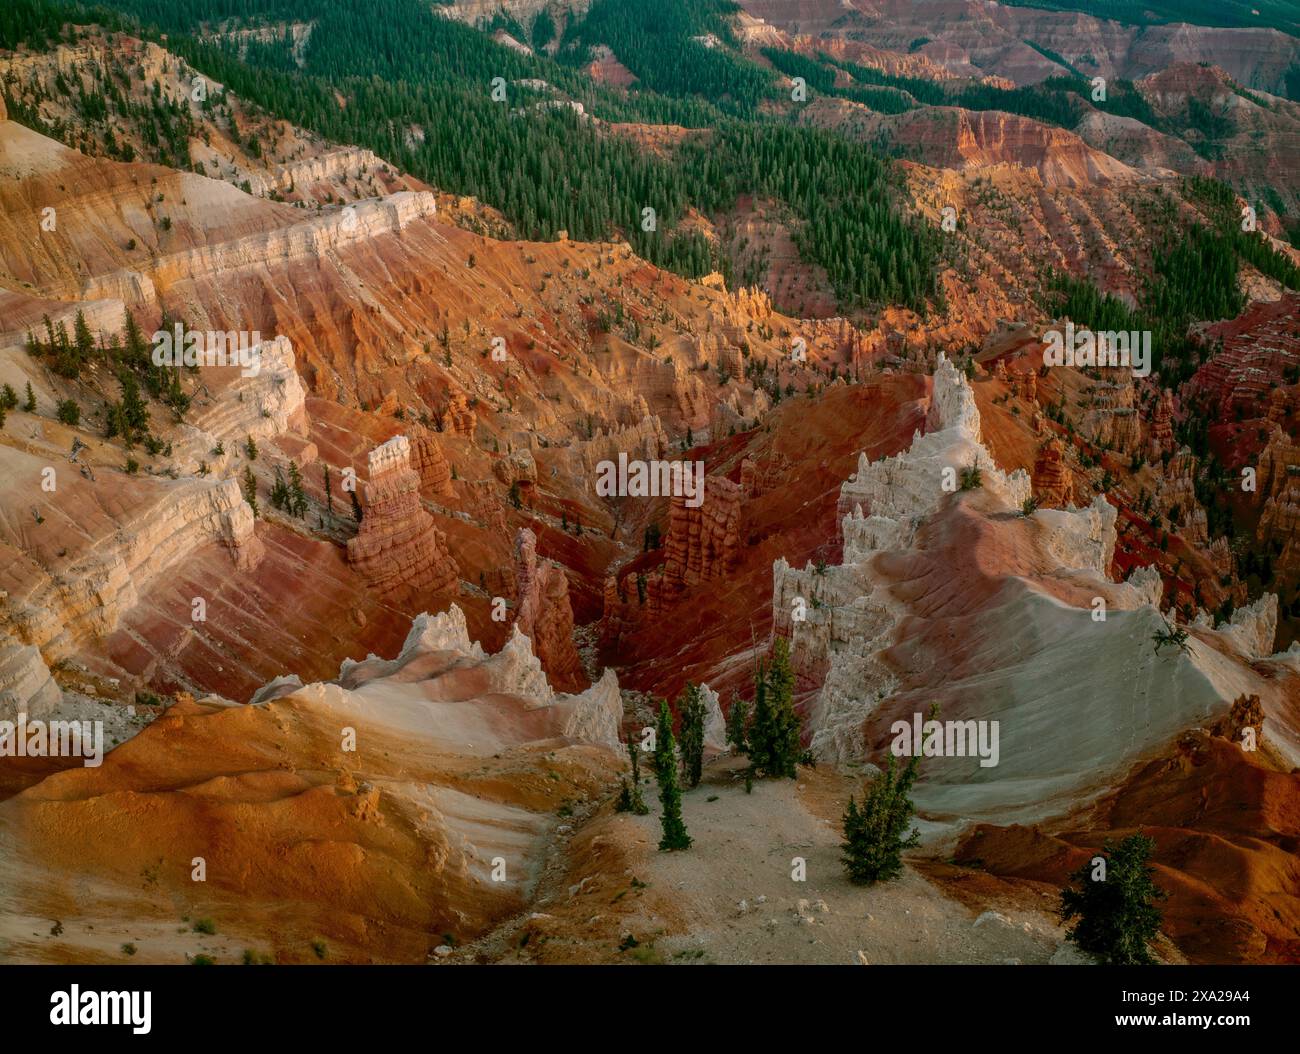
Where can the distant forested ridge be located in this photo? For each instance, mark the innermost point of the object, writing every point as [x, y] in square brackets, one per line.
[418, 91]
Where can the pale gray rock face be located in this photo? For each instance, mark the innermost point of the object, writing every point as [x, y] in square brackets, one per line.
[1078, 699]
[715, 724]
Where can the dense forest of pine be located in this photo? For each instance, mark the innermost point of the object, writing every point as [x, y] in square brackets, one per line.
[419, 92]
[1280, 14]
[1194, 277]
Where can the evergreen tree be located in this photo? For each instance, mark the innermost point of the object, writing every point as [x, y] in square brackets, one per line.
[297, 496]
[737, 719]
[30, 405]
[279, 491]
[774, 747]
[69, 412]
[8, 397]
[630, 799]
[250, 448]
[250, 488]
[329, 494]
[356, 506]
[135, 415]
[1115, 916]
[876, 835]
[670, 794]
[693, 714]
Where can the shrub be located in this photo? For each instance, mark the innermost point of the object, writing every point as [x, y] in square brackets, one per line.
[1114, 909]
[69, 413]
[876, 834]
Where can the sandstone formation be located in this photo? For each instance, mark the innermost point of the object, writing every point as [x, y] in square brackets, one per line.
[429, 463]
[956, 600]
[460, 417]
[543, 614]
[1279, 406]
[396, 842]
[399, 549]
[1279, 523]
[1278, 462]
[84, 592]
[25, 679]
[1251, 356]
[1160, 439]
[1053, 486]
[643, 440]
[1176, 498]
[703, 543]
[1111, 419]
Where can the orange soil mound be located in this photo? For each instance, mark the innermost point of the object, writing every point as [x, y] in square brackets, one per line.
[1227, 831]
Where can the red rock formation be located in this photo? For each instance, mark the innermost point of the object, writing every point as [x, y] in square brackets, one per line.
[460, 417]
[1257, 348]
[1280, 522]
[427, 460]
[1176, 498]
[1161, 436]
[758, 476]
[703, 543]
[611, 618]
[1026, 382]
[1278, 405]
[1111, 418]
[1052, 484]
[398, 549]
[483, 501]
[1247, 712]
[543, 614]
[1278, 461]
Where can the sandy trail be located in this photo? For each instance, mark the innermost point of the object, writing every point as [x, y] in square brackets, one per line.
[609, 882]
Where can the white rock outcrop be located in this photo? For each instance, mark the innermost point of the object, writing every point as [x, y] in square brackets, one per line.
[1078, 698]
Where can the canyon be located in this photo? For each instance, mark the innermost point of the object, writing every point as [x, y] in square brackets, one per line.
[915, 502]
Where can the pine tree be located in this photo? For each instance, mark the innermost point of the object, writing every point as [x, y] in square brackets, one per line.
[250, 448]
[250, 488]
[279, 491]
[876, 835]
[30, 405]
[737, 719]
[356, 506]
[134, 412]
[670, 794]
[630, 799]
[297, 496]
[774, 747]
[693, 714]
[8, 397]
[1115, 909]
[329, 494]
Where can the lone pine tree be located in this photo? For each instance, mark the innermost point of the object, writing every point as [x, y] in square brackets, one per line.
[1114, 909]
[670, 794]
[693, 714]
[629, 798]
[875, 835]
[774, 747]
[737, 719]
